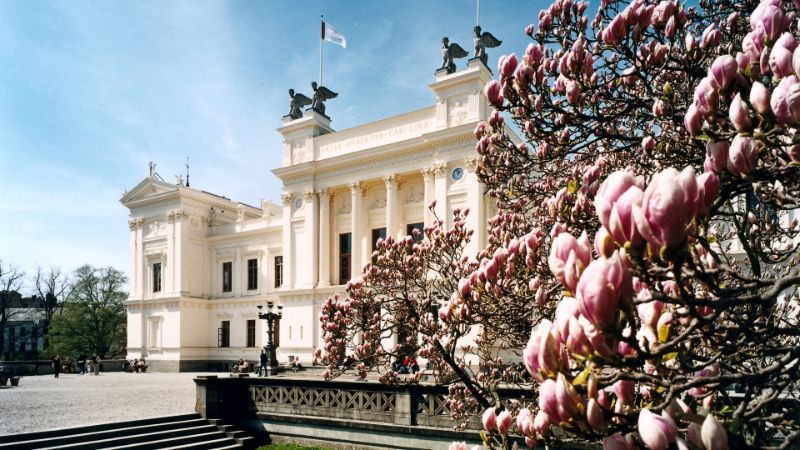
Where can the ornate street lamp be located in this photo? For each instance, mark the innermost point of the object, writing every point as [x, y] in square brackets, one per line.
[270, 316]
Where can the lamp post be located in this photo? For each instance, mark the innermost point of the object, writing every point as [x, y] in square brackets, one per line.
[270, 316]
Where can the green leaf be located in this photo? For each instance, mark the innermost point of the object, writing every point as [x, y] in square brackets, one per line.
[572, 186]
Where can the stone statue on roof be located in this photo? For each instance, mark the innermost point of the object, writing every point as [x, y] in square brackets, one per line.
[296, 103]
[482, 42]
[449, 53]
[321, 93]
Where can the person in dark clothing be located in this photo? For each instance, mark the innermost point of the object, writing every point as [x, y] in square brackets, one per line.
[82, 363]
[263, 362]
[56, 365]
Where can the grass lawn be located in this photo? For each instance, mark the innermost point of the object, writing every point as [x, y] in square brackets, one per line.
[289, 447]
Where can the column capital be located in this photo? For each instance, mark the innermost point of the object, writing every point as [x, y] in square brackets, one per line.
[356, 187]
[471, 163]
[308, 195]
[175, 215]
[135, 224]
[391, 180]
[439, 169]
[286, 198]
[426, 172]
[324, 194]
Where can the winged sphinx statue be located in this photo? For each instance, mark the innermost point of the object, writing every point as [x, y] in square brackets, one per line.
[321, 93]
[449, 53]
[296, 103]
[482, 42]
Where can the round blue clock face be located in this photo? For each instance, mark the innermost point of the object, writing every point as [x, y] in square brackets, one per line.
[298, 203]
[458, 173]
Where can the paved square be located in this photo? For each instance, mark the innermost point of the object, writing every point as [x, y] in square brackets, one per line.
[45, 403]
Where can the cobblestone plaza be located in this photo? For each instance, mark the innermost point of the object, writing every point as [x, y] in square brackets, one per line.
[45, 403]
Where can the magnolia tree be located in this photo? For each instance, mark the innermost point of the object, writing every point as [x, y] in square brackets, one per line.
[644, 262]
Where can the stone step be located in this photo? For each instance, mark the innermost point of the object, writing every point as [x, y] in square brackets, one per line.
[217, 444]
[39, 435]
[160, 439]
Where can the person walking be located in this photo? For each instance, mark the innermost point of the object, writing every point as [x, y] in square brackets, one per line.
[263, 360]
[56, 365]
[95, 364]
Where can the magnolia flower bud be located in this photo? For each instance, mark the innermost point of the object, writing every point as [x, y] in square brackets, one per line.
[594, 415]
[742, 156]
[722, 71]
[602, 285]
[780, 61]
[489, 419]
[759, 97]
[713, 434]
[693, 121]
[739, 115]
[657, 432]
[504, 421]
[493, 93]
[785, 101]
[717, 153]
[617, 442]
[507, 65]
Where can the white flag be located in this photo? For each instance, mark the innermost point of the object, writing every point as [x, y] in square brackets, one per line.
[331, 35]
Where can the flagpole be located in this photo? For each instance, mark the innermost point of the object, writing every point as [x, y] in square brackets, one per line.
[478, 16]
[321, 39]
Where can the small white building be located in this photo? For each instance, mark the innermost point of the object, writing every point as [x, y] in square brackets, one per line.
[202, 263]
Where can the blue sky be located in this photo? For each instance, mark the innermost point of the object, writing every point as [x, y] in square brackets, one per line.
[92, 91]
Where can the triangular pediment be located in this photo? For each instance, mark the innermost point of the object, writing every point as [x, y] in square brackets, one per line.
[148, 188]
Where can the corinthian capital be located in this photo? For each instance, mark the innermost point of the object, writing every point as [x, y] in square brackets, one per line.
[391, 180]
[439, 169]
[356, 187]
[308, 195]
[135, 224]
[286, 198]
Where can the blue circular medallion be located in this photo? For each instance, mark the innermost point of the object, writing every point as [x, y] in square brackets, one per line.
[298, 203]
[458, 173]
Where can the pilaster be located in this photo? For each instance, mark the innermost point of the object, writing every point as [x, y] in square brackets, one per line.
[427, 181]
[440, 183]
[288, 241]
[324, 238]
[356, 217]
[392, 212]
[476, 220]
[312, 234]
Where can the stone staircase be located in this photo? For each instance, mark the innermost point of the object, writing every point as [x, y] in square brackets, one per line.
[188, 431]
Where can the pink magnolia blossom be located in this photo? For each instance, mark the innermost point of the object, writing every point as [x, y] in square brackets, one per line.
[489, 419]
[743, 155]
[785, 101]
[780, 61]
[504, 421]
[722, 71]
[542, 355]
[623, 389]
[568, 258]
[668, 202]
[458, 446]
[717, 155]
[493, 93]
[693, 121]
[547, 401]
[567, 399]
[603, 284]
[614, 202]
[657, 432]
[617, 442]
[507, 65]
[525, 422]
[595, 415]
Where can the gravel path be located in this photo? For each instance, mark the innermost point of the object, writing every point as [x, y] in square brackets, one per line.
[45, 403]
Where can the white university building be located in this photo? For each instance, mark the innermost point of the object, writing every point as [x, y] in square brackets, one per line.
[201, 263]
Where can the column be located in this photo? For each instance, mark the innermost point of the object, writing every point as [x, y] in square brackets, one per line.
[440, 182]
[324, 238]
[392, 213]
[312, 235]
[356, 213]
[288, 237]
[476, 220]
[427, 181]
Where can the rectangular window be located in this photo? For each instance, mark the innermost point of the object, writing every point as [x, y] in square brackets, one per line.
[377, 233]
[224, 334]
[278, 271]
[251, 333]
[252, 274]
[345, 247]
[157, 277]
[227, 276]
[420, 227]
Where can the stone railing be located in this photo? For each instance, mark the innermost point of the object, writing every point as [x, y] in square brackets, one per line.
[409, 405]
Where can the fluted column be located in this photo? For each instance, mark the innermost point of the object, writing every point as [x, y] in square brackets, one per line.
[356, 214]
[440, 183]
[288, 238]
[392, 214]
[427, 181]
[324, 238]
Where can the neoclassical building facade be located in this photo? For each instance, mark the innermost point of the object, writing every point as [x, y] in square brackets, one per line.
[202, 263]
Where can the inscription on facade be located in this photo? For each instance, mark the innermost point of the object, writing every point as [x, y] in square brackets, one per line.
[387, 136]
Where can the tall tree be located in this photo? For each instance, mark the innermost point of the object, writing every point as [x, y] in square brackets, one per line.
[94, 319]
[10, 283]
[53, 288]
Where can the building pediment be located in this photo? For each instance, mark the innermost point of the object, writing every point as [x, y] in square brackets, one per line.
[148, 188]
